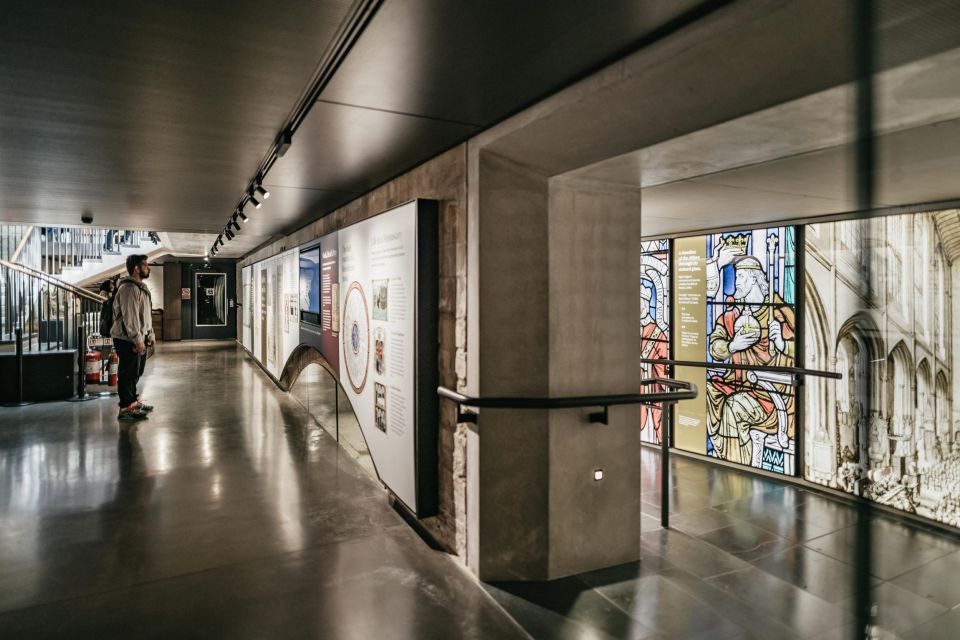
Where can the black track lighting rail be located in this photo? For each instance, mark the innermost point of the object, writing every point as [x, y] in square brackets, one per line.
[353, 26]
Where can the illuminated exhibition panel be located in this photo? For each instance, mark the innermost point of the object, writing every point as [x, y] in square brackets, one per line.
[873, 300]
[735, 304]
[365, 297]
[655, 328]
[368, 297]
[880, 310]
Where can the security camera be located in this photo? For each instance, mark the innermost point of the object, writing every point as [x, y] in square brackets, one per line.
[86, 217]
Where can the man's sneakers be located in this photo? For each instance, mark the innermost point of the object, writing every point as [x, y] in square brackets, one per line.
[132, 413]
[145, 408]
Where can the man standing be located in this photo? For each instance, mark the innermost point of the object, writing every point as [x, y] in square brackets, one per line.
[132, 333]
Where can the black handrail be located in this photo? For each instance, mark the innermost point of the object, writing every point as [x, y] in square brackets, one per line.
[684, 391]
[797, 371]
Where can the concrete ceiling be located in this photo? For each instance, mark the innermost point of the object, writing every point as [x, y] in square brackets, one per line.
[156, 115]
[796, 159]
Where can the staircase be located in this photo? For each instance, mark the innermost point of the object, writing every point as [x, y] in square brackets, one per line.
[76, 254]
[39, 268]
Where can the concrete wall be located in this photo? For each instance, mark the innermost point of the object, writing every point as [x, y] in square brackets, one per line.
[155, 285]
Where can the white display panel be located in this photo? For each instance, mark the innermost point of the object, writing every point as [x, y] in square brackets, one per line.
[377, 356]
[290, 325]
[271, 269]
[246, 333]
[366, 298]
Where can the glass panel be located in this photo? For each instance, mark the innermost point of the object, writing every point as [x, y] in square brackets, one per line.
[327, 405]
[655, 331]
[736, 296]
[211, 299]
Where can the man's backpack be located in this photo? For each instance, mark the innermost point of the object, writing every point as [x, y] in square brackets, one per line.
[106, 317]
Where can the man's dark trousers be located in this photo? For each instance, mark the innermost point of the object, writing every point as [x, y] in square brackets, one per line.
[128, 371]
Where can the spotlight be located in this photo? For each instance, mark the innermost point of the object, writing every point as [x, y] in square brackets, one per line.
[283, 142]
[229, 234]
[242, 215]
[263, 192]
[206, 258]
[218, 241]
[233, 221]
[256, 203]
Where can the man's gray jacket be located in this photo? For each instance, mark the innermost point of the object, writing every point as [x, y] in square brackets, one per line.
[131, 312]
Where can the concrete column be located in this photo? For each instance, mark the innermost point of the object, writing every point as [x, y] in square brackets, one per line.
[511, 463]
[556, 312]
[594, 308]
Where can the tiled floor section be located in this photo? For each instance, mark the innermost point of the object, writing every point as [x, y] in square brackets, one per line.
[227, 514]
[230, 514]
[750, 557]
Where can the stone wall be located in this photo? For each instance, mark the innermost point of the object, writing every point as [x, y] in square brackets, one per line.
[444, 179]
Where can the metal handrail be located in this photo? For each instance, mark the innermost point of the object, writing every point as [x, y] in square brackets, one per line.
[797, 371]
[683, 391]
[46, 277]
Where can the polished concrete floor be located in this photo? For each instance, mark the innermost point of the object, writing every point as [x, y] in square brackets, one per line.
[228, 514]
[232, 514]
[750, 557]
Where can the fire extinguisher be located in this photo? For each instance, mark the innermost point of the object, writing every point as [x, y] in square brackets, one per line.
[91, 366]
[114, 363]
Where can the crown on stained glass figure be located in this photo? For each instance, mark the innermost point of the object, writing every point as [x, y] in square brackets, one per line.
[740, 241]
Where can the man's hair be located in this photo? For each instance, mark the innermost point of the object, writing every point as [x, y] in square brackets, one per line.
[760, 279]
[133, 261]
[105, 285]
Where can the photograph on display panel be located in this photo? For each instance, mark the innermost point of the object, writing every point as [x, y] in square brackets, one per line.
[880, 311]
[750, 320]
[655, 332]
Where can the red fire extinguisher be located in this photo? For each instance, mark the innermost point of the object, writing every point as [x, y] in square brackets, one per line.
[114, 363]
[91, 367]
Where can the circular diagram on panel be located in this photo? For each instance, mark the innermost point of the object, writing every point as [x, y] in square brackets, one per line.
[356, 336]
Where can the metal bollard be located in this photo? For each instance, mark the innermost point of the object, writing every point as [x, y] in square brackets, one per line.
[666, 422]
[81, 370]
[20, 402]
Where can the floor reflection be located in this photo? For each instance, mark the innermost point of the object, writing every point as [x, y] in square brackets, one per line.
[748, 556]
[229, 505]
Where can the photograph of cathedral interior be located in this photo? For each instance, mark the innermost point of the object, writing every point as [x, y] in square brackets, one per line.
[901, 451]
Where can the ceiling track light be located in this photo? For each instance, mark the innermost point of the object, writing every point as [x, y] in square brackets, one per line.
[283, 142]
[234, 223]
[261, 191]
[242, 215]
[256, 203]
[229, 234]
